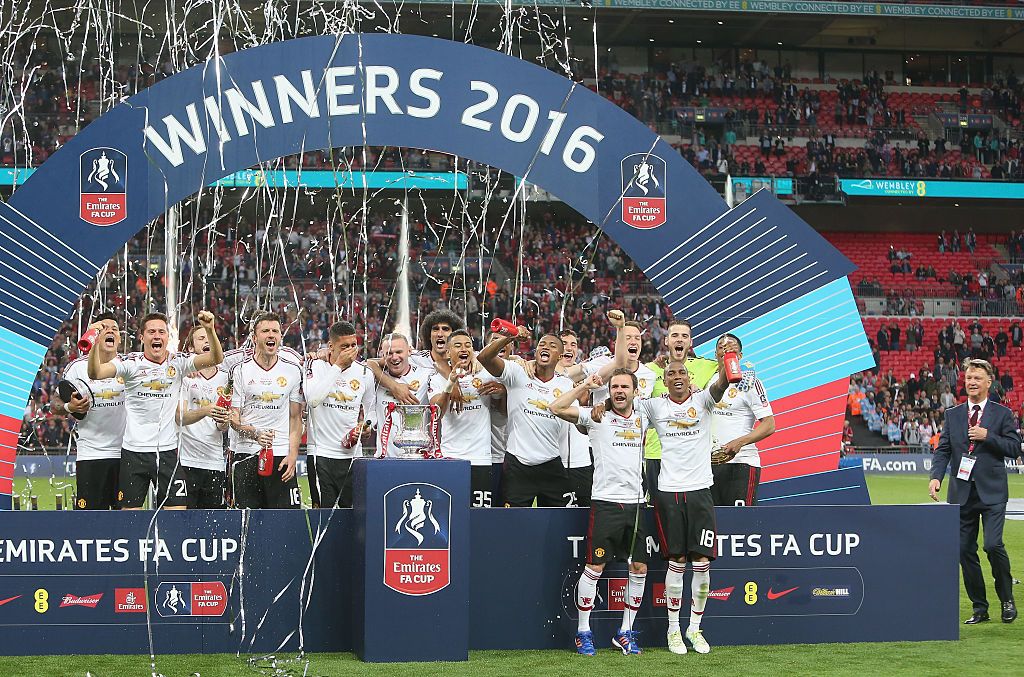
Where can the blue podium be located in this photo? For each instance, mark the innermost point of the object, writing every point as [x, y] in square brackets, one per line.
[411, 596]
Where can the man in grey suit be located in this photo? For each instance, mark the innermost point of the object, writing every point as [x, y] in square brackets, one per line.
[977, 436]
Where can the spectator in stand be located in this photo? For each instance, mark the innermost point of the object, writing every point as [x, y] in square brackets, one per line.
[1016, 334]
[893, 431]
[883, 338]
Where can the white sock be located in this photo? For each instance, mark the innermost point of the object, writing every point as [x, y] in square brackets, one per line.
[699, 587]
[634, 596]
[674, 593]
[586, 592]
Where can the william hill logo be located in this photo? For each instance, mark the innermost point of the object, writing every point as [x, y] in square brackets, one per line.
[830, 592]
[416, 538]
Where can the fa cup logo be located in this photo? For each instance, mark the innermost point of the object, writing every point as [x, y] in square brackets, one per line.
[415, 514]
[416, 525]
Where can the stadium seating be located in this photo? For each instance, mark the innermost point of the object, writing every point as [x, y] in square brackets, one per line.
[903, 362]
[870, 257]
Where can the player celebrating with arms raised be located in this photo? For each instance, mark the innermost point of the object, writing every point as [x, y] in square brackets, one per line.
[616, 523]
[533, 464]
[203, 423]
[152, 380]
[683, 506]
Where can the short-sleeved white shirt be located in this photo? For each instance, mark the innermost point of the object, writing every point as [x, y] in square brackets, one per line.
[735, 416]
[685, 432]
[466, 434]
[618, 445]
[100, 434]
[264, 397]
[152, 393]
[202, 443]
[535, 435]
[334, 399]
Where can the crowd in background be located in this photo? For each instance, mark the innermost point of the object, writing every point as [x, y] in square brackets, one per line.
[312, 280]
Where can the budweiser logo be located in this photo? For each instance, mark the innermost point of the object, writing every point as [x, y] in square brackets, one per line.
[74, 600]
[722, 594]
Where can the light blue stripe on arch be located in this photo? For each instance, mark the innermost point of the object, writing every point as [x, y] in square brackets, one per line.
[814, 340]
[16, 376]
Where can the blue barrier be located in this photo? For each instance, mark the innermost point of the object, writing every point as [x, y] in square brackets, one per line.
[843, 486]
[785, 574]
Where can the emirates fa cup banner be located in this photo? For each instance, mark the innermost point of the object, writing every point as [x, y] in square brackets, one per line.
[416, 541]
[643, 190]
[102, 177]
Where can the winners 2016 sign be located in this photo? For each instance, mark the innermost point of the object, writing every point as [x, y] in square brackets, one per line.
[230, 114]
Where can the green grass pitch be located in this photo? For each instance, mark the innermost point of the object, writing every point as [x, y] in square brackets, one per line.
[990, 649]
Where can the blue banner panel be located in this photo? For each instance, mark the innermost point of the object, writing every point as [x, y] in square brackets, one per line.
[844, 486]
[413, 554]
[982, 190]
[783, 575]
[920, 464]
[87, 582]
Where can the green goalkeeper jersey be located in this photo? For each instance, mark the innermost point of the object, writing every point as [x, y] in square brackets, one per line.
[701, 369]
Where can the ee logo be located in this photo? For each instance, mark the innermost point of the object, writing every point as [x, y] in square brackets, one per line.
[750, 593]
[42, 600]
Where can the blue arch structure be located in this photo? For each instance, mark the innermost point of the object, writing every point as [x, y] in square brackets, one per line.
[758, 268]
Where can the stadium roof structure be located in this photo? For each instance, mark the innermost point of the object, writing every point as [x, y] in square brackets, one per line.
[959, 26]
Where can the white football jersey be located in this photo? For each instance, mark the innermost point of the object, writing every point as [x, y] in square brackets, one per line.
[685, 432]
[535, 435]
[466, 434]
[618, 445]
[202, 443]
[576, 451]
[152, 392]
[232, 358]
[264, 397]
[422, 359]
[100, 433]
[418, 379]
[499, 435]
[336, 402]
[644, 376]
[735, 416]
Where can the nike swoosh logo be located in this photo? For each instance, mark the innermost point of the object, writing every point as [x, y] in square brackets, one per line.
[775, 595]
[9, 599]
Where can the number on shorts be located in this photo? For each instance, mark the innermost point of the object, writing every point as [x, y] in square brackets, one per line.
[295, 496]
[707, 538]
[182, 488]
[750, 593]
[740, 503]
[481, 499]
[570, 499]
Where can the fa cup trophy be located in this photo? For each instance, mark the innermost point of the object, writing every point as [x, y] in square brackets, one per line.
[414, 429]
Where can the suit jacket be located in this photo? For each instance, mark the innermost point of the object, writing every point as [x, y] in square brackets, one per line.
[989, 474]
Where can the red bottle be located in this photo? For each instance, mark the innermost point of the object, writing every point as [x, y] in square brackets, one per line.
[224, 399]
[732, 367]
[265, 463]
[504, 327]
[88, 338]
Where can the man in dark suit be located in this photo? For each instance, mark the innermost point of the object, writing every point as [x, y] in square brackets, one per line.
[976, 438]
